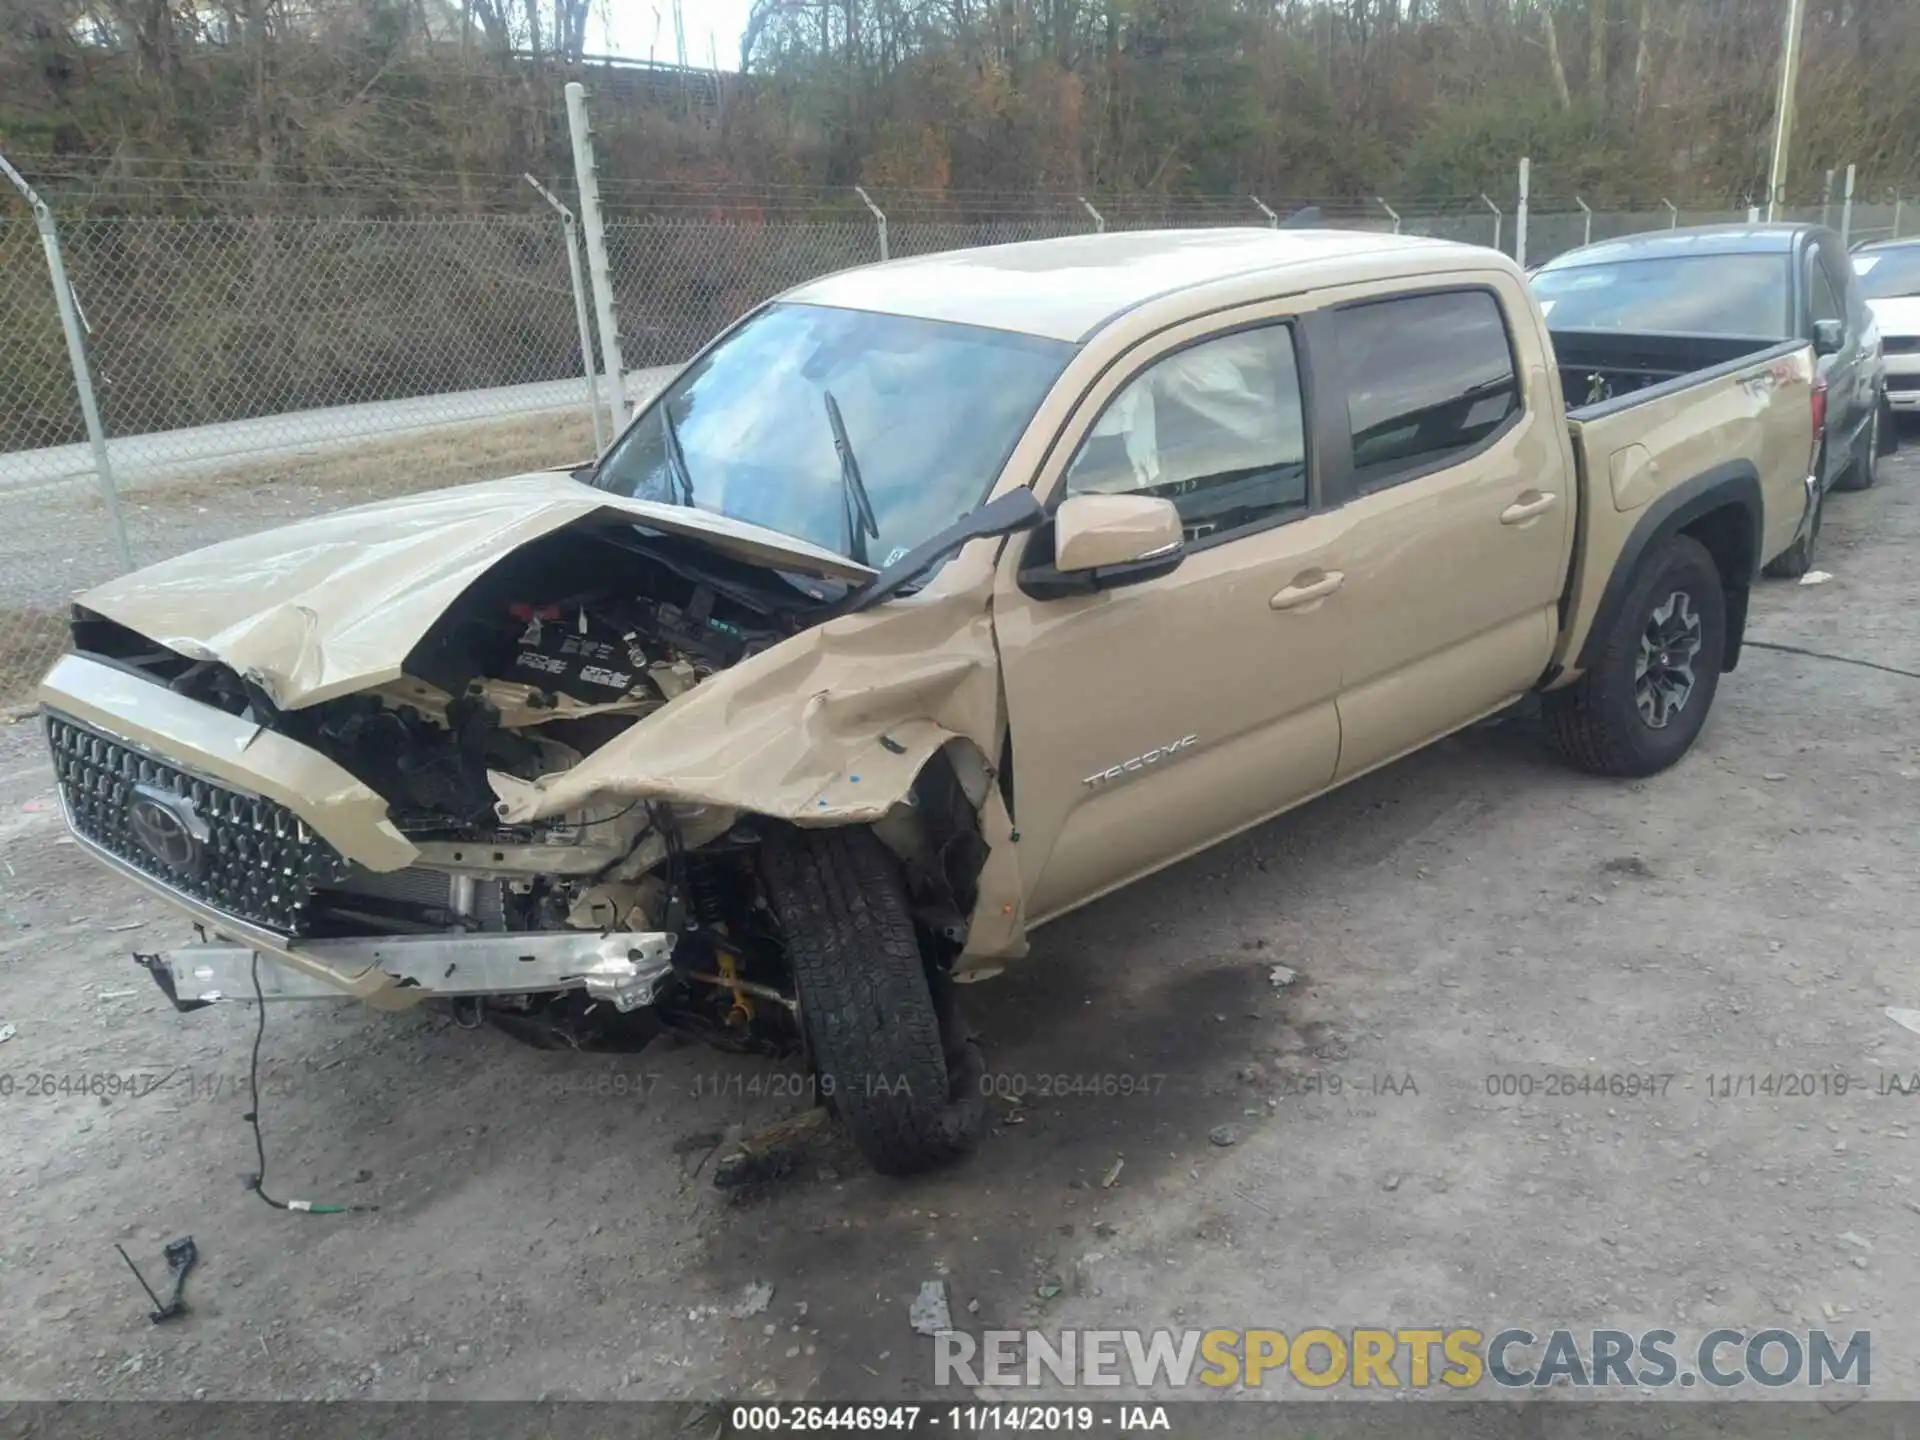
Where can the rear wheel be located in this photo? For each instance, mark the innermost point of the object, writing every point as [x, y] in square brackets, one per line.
[895, 1062]
[1642, 703]
[1865, 468]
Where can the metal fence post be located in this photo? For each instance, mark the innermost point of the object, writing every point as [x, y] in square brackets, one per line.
[1273, 220]
[1586, 212]
[1499, 218]
[568, 234]
[1520, 216]
[1826, 200]
[1099, 220]
[585, 177]
[1392, 214]
[1673, 213]
[1897, 202]
[879, 219]
[1846, 211]
[77, 358]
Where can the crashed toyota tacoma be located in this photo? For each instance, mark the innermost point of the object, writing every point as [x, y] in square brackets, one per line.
[931, 601]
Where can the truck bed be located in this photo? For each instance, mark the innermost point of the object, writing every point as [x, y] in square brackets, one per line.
[1602, 369]
[1744, 410]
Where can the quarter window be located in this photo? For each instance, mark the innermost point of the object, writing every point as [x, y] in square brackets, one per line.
[1217, 428]
[1428, 379]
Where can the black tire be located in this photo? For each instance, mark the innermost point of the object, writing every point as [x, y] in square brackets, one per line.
[1797, 559]
[1598, 724]
[1889, 428]
[894, 1060]
[1864, 468]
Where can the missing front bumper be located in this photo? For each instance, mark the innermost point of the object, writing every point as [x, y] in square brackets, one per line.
[624, 969]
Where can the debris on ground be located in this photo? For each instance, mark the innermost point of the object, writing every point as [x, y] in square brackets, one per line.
[1223, 1135]
[1049, 1290]
[754, 1301]
[1628, 865]
[1113, 1175]
[770, 1154]
[1281, 976]
[1815, 577]
[1859, 1242]
[1774, 775]
[929, 1314]
[1391, 1183]
[1910, 1019]
[7, 1032]
[181, 1255]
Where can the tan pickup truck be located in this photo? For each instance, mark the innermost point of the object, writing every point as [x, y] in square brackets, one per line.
[931, 601]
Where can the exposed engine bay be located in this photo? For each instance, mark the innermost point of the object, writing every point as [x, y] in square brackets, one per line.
[567, 643]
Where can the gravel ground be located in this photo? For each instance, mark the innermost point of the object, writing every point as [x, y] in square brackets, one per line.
[547, 1226]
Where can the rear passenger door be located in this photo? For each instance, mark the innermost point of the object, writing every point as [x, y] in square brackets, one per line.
[1455, 475]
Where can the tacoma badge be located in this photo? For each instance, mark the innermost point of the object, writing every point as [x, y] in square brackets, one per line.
[1140, 762]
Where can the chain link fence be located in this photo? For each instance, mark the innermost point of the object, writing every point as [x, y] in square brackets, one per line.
[253, 371]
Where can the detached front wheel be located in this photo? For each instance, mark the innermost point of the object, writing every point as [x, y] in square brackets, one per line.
[1642, 703]
[894, 1060]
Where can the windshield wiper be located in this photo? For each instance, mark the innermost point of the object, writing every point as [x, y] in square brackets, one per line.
[676, 457]
[855, 507]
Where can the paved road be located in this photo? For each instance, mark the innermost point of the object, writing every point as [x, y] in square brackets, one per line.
[144, 460]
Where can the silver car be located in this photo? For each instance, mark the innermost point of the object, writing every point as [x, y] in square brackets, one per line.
[1889, 272]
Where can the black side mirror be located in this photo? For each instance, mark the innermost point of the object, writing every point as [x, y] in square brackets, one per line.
[1829, 337]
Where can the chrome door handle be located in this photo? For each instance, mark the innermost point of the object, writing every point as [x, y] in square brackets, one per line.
[1305, 591]
[1530, 504]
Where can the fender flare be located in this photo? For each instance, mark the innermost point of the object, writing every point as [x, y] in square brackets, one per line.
[1735, 484]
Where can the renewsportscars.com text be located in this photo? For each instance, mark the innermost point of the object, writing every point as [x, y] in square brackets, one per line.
[1363, 1357]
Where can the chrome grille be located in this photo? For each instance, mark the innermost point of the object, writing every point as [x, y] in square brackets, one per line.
[243, 855]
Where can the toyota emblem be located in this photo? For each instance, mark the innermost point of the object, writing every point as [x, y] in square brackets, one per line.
[167, 827]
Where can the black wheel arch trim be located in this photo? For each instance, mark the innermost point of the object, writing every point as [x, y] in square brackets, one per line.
[1736, 484]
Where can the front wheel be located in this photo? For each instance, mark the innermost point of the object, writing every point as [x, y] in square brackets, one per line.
[1642, 703]
[895, 1062]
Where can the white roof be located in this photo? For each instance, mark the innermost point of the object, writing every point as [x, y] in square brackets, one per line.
[1066, 288]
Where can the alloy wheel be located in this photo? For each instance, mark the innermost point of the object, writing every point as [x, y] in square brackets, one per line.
[1663, 678]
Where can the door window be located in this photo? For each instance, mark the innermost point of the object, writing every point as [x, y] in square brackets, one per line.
[1218, 428]
[1429, 379]
[1825, 303]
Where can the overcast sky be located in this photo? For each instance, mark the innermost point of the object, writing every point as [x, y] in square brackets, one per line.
[643, 29]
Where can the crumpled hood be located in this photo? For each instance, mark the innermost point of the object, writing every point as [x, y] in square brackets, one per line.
[332, 605]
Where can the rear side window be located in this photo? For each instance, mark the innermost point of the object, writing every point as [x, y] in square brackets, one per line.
[1428, 379]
